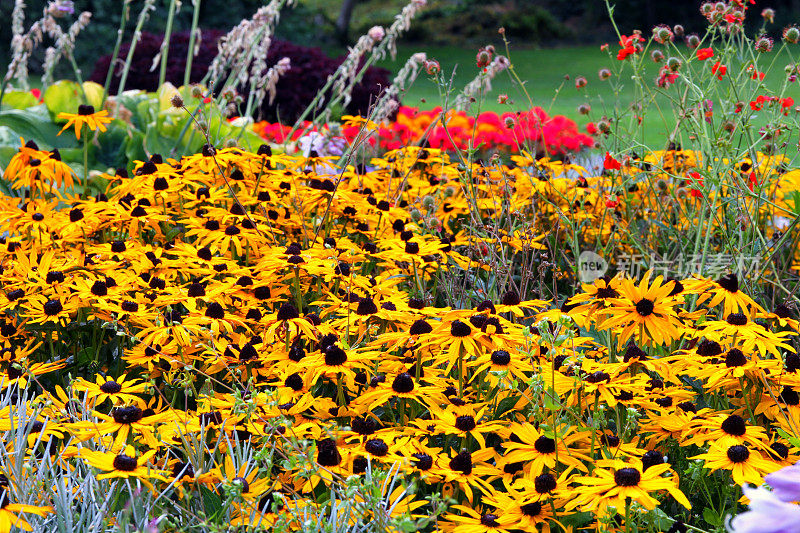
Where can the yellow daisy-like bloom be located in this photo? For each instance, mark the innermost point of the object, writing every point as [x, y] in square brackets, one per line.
[86, 115]
[119, 391]
[9, 514]
[746, 465]
[124, 465]
[614, 481]
[646, 310]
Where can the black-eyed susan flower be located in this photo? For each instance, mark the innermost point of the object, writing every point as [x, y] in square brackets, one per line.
[87, 116]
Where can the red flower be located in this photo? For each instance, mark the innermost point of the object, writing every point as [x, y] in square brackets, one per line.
[37, 94]
[704, 53]
[612, 201]
[696, 180]
[610, 163]
[752, 181]
[758, 103]
[591, 129]
[629, 46]
[666, 77]
[719, 70]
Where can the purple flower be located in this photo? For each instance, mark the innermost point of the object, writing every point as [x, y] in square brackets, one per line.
[785, 483]
[767, 514]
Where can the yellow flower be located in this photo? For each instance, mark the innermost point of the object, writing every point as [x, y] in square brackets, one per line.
[86, 115]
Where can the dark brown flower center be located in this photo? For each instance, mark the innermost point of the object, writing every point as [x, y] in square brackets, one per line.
[735, 358]
[645, 307]
[465, 423]
[738, 453]
[110, 387]
[125, 463]
[127, 415]
[737, 319]
[403, 383]
[489, 520]
[544, 445]
[734, 425]
[627, 477]
[544, 483]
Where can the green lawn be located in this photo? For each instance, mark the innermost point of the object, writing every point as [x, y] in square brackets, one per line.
[544, 71]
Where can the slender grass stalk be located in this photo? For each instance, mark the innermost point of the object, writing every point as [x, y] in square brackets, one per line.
[162, 75]
[137, 35]
[192, 37]
[123, 21]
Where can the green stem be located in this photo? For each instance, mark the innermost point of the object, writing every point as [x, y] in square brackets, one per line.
[120, 32]
[192, 36]
[162, 75]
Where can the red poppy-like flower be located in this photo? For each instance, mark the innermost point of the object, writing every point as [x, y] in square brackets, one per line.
[719, 70]
[696, 180]
[666, 77]
[629, 46]
[610, 163]
[752, 181]
[704, 53]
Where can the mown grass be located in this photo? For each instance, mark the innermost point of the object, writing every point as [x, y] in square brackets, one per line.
[544, 73]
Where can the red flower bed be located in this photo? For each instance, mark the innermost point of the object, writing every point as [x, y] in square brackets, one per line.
[532, 130]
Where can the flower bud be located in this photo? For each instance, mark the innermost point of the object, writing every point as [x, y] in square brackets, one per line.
[376, 33]
[673, 63]
[432, 67]
[763, 44]
[197, 92]
[584, 109]
[768, 14]
[657, 56]
[509, 122]
[692, 41]
[483, 58]
[678, 30]
[580, 82]
[662, 34]
[176, 100]
[604, 74]
[791, 35]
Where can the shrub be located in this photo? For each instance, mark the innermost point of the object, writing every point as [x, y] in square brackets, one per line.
[296, 89]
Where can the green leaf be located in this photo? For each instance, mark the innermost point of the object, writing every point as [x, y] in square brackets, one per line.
[63, 97]
[711, 516]
[19, 100]
[35, 124]
[211, 501]
[506, 404]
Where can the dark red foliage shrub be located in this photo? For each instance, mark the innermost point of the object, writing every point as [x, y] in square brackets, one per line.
[296, 89]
